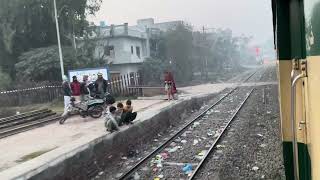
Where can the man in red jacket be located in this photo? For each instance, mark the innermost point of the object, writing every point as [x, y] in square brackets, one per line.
[75, 88]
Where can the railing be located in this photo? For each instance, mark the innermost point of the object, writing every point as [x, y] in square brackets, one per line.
[118, 86]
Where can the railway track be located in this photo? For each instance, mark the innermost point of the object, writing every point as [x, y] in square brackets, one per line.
[217, 117]
[218, 126]
[26, 121]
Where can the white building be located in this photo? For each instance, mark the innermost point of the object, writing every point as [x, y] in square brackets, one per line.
[126, 47]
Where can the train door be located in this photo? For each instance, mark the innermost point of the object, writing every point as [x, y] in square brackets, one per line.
[290, 33]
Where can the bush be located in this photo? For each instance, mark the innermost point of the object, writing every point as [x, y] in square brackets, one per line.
[5, 80]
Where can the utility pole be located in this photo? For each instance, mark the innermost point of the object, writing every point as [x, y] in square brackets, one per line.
[205, 56]
[58, 36]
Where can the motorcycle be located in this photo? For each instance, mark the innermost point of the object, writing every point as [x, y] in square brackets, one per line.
[107, 99]
[91, 107]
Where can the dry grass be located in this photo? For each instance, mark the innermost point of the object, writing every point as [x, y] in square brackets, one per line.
[33, 155]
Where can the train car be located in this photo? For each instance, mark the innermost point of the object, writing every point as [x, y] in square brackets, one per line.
[297, 40]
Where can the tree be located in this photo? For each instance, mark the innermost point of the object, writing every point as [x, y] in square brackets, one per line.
[5, 80]
[42, 64]
[176, 49]
[152, 70]
[25, 25]
[313, 29]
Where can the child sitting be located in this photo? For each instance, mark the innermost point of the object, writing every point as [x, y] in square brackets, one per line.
[111, 122]
[120, 114]
[127, 111]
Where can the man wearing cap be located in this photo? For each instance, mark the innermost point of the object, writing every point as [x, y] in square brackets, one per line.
[101, 85]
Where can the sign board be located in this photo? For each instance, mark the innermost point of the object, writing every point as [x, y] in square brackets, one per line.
[91, 72]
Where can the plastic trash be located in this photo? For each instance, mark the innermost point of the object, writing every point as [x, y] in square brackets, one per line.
[195, 142]
[255, 168]
[124, 158]
[204, 138]
[187, 169]
[119, 175]
[220, 146]
[158, 157]
[195, 124]
[156, 178]
[164, 156]
[200, 155]
[174, 149]
[183, 141]
[177, 140]
[260, 135]
[136, 176]
[160, 176]
[155, 169]
[263, 145]
[173, 144]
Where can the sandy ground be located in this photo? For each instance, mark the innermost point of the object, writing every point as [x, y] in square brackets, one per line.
[52, 136]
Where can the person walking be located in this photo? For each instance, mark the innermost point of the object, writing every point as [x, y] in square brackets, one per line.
[169, 85]
[66, 93]
[75, 88]
[101, 86]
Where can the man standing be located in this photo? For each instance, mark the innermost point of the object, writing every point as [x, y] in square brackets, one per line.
[66, 93]
[101, 85]
[84, 90]
[75, 88]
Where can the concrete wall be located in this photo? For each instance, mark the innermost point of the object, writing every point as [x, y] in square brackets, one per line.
[122, 49]
[84, 161]
[124, 69]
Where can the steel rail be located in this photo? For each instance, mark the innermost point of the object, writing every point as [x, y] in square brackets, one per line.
[27, 127]
[200, 165]
[163, 145]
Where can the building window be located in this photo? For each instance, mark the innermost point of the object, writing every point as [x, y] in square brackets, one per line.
[109, 51]
[131, 49]
[138, 51]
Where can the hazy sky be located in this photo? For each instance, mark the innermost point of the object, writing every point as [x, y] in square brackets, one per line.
[250, 17]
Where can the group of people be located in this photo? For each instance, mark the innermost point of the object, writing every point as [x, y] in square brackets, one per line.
[82, 91]
[115, 116]
[119, 116]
